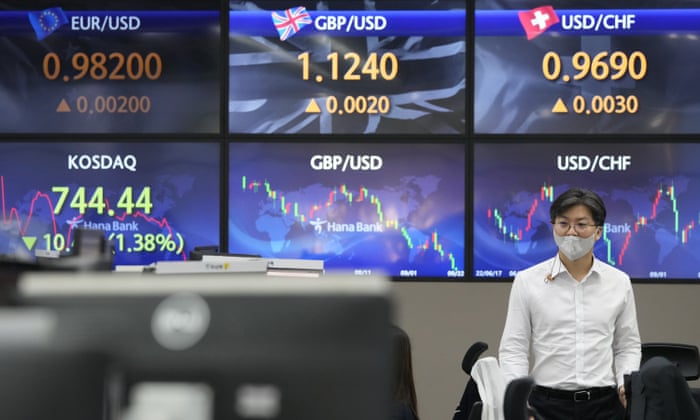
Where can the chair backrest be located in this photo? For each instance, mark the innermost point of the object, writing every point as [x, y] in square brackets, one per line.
[472, 355]
[475, 413]
[515, 398]
[684, 356]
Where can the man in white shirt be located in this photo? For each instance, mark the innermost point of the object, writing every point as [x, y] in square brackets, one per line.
[574, 317]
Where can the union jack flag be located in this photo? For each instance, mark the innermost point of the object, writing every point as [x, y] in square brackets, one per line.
[289, 22]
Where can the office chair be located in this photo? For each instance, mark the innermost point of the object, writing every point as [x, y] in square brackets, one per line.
[684, 356]
[659, 391]
[515, 399]
[470, 405]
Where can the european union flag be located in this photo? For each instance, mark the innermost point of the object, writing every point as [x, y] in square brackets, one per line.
[47, 21]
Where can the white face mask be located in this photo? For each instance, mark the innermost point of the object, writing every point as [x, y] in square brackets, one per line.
[574, 247]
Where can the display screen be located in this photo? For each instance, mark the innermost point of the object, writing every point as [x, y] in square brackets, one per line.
[239, 346]
[155, 201]
[396, 209]
[347, 66]
[110, 67]
[586, 66]
[651, 192]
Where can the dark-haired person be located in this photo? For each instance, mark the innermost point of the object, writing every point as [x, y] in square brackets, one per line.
[406, 406]
[574, 317]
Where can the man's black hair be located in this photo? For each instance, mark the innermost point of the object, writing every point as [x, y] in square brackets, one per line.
[576, 196]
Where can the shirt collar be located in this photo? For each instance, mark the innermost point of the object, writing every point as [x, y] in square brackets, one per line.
[595, 270]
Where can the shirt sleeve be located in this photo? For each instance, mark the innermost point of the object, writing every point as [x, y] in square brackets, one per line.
[627, 348]
[515, 341]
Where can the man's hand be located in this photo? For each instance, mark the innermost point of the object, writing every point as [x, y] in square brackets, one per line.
[621, 394]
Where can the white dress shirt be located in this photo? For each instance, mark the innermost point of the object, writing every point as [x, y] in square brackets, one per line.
[581, 334]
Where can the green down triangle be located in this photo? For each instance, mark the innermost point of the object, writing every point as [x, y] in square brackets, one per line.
[29, 241]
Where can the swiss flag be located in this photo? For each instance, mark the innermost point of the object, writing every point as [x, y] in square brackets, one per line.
[537, 20]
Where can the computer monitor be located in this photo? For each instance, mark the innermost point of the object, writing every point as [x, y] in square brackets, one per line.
[241, 346]
[585, 67]
[392, 208]
[106, 67]
[153, 200]
[39, 381]
[347, 67]
[650, 191]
